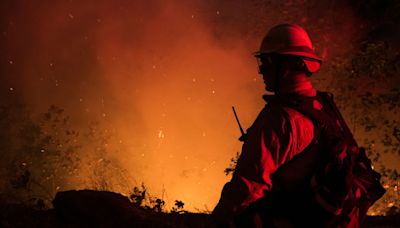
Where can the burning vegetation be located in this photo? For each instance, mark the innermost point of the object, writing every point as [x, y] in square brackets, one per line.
[106, 96]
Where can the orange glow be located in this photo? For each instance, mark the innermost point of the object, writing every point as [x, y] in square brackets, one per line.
[161, 78]
[156, 77]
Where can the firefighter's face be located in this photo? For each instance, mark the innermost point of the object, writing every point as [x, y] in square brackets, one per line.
[267, 68]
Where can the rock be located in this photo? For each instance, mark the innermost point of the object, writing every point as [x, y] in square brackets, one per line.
[97, 207]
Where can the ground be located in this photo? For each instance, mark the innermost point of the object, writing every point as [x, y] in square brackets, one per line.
[88, 208]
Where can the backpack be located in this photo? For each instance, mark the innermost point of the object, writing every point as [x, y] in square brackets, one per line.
[329, 184]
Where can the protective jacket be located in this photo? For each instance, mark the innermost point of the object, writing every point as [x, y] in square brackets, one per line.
[276, 136]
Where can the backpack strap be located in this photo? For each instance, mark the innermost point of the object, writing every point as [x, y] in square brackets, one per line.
[328, 133]
[323, 119]
[295, 172]
[327, 118]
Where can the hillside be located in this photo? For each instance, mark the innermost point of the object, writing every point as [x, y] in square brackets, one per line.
[88, 208]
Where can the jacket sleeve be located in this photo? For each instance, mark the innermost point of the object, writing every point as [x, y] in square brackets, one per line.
[266, 148]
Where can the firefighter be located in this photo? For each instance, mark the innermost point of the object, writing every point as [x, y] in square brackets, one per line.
[286, 61]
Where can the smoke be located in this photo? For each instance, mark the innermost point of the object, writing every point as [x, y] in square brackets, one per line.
[160, 75]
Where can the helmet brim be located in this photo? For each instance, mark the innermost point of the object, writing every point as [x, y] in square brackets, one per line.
[312, 61]
[312, 64]
[301, 54]
[301, 51]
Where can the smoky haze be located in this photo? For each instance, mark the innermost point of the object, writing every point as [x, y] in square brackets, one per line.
[160, 75]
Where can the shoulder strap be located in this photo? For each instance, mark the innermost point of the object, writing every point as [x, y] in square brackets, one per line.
[326, 118]
[295, 172]
[323, 119]
[303, 164]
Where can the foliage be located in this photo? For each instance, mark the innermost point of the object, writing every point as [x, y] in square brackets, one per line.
[390, 179]
[366, 90]
[42, 152]
[157, 204]
[104, 172]
[232, 165]
[178, 208]
[45, 153]
[141, 198]
[138, 195]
